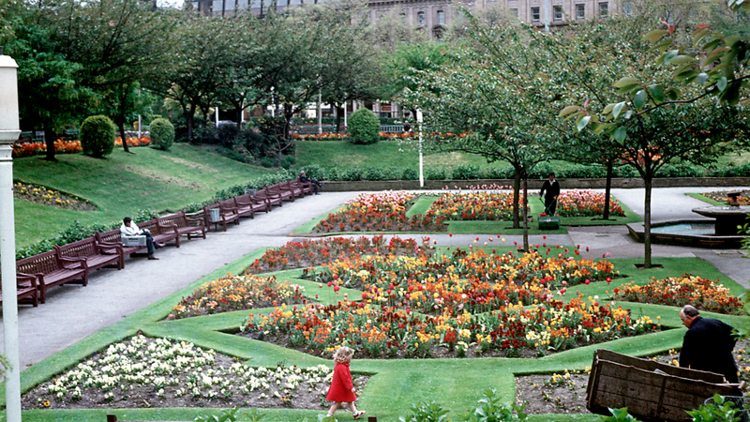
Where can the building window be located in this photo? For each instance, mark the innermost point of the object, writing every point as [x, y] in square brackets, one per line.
[580, 11]
[535, 16]
[420, 19]
[603, 9]
[558, 13]
[514, 12]
[441, 17]
[627, 8]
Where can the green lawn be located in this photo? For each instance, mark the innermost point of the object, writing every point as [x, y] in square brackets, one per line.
[121, 184]
[395, 384]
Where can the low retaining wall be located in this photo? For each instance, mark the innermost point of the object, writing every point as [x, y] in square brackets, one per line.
[671, 182]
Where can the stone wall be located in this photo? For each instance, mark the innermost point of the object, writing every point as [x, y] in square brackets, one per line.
[337, 186]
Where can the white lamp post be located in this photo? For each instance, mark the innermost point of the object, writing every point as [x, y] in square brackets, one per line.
[421, 161]
[9, 132]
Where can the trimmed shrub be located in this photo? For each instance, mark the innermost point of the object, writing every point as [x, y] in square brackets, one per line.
[465, 172]
[162, 133]
[97, 135]
[314, 171]
[410, 174]
[364, 127]
[435, 173]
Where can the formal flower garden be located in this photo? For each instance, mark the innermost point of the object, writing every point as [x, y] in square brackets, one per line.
[160, 371]
[721, 196]
[388, 211]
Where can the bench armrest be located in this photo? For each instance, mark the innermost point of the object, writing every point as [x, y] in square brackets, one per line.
[67, 263]
[107, 248]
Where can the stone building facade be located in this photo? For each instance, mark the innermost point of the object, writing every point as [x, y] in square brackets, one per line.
[435, 15]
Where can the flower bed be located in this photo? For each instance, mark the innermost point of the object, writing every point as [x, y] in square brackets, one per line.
[132, 141]
[473, 206]
[586, 203]
[146, 372]
[700, 292]
[384, 211]
[384, 331]
[472, 281]
[42, 195]
[721, 196]
[315, 252]
[27, 149]
[234, 293]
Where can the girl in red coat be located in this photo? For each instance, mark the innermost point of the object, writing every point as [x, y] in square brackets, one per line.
[342, 389]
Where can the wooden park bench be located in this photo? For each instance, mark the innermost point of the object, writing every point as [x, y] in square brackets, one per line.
[51, 269]
[182, 226]
[270, 197]
[96, 255]
[249, 201]
[160, 235]
[27, 289]
[230, 206]
[284, 190]
[224, 217]
[307, 188]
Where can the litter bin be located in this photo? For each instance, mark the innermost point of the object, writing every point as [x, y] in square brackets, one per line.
[214, 215]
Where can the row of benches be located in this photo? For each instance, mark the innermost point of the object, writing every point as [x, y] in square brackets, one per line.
[231, 210]
[72, 263]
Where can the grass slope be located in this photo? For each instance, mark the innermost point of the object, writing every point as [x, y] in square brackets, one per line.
[121, 184]
[395, 384]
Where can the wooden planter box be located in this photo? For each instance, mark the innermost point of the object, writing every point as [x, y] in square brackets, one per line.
[650, 390]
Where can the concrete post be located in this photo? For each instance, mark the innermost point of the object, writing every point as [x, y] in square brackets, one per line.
[9, 132]
[421, 160]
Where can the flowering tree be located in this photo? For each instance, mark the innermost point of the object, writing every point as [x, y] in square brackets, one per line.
[696, 131]
[495, 94]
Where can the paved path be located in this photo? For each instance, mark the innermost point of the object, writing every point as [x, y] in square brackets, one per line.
[72, 313]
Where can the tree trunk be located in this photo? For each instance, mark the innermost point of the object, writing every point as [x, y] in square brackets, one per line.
[121, 128]
[339, 113]
[608, 190]
[516, 189]
[525, 213]
[189, 112]
[647, 182]
[49, 140]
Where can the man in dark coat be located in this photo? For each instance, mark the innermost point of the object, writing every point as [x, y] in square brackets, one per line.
[708, 345]
[552, 189]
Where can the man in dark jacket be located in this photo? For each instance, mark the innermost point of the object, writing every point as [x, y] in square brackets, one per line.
[552, 189]
[708, 345]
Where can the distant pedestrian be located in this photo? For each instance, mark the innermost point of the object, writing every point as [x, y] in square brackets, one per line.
[342, 389]
[308, 180]
[550, 191]
[708, 345]
[407, 126]
[129, 228]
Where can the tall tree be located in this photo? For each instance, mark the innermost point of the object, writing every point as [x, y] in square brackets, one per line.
[49, 88]
[494, 94]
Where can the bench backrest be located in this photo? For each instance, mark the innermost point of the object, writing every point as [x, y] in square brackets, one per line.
[44, 263]
[81, 248]
[112, 236]
[228, 203]
[151, 226]
[177, 219]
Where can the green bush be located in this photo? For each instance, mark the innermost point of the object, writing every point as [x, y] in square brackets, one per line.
[97, 135]
[314, 171]
[162, 133]
[410, 174]
[732, 171]
[373, 173]
[435, 174]
[288, 161]
[351, 175]
[364, 127]
[465, 172]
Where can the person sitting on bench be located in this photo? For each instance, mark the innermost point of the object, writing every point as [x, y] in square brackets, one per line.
[314, 182]
[129, 228]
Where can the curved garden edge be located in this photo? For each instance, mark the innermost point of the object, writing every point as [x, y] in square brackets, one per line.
[665, 182]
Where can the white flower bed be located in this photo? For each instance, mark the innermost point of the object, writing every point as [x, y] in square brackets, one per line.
[163, 372]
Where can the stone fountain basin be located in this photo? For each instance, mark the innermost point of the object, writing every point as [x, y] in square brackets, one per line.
[710, 241]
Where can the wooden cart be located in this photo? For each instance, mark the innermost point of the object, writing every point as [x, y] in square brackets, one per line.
[650, 390]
